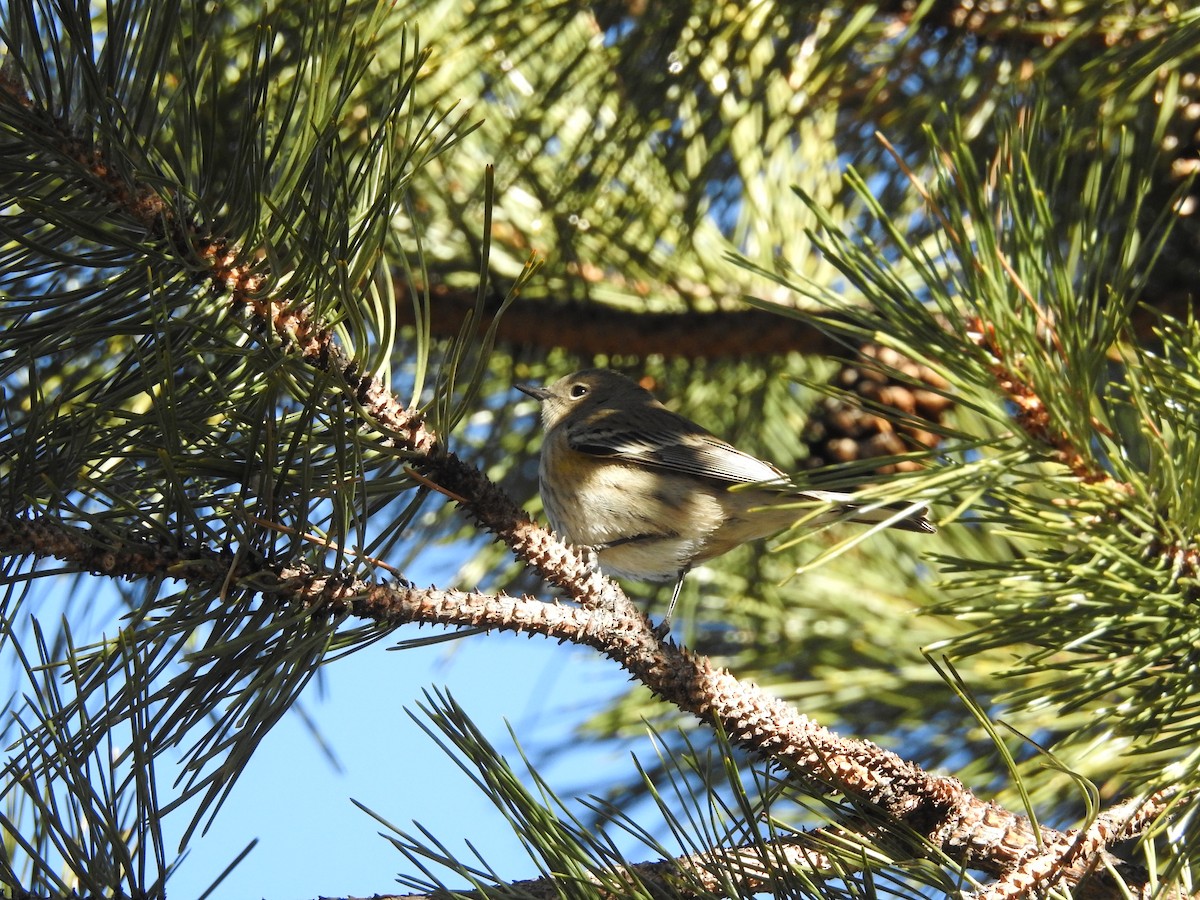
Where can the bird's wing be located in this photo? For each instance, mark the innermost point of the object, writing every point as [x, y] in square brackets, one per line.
[655, 437]
[664, 440]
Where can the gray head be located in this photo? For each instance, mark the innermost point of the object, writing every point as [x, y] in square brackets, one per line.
[584, 391]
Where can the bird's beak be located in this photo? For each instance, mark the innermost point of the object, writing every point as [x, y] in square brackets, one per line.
[537, 393]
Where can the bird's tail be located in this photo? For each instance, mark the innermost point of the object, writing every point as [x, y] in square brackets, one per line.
[901, 515]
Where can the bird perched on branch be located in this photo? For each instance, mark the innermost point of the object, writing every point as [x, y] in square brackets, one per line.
[653, 494]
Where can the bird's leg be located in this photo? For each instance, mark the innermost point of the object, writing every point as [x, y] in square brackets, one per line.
[664, 627]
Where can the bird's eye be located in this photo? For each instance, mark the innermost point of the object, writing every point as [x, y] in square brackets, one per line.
[578, 390]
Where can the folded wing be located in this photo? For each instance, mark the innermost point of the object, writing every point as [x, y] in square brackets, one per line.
[666, 441]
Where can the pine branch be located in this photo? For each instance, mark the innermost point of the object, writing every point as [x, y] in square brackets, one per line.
[694, 134]
[968, 830]
[754, 869]
[1000, 20]
[757, 867]
[971, 831]
[1070, 857]
[1015, 23]
[395, 427]
[588, 329]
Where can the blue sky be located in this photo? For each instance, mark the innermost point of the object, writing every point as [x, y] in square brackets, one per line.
[314, 841]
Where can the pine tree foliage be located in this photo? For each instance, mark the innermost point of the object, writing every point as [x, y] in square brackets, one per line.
[267, 273]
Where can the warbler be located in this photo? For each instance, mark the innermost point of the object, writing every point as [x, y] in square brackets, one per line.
[651, 493]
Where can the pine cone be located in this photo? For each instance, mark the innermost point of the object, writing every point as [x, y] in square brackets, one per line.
[841, 431]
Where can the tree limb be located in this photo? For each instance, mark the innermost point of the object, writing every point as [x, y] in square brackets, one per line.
[973, 832]
[589, 328]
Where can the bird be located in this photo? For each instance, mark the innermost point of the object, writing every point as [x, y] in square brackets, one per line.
[653, 494]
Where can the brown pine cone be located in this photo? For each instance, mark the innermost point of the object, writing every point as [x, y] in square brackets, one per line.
[841, 431]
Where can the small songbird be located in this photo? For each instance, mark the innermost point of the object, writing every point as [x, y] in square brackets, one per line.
[651, 492]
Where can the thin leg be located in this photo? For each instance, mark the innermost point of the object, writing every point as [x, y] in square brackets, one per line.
[664, 627]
